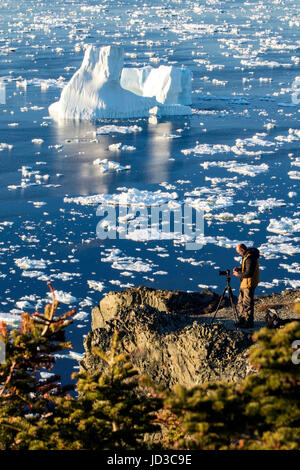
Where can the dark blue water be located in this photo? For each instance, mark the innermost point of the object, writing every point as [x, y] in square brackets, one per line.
[31, 32]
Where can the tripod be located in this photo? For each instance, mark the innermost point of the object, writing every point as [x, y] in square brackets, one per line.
[230, 295]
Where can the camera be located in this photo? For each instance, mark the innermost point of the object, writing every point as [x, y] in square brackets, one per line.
[225, 273]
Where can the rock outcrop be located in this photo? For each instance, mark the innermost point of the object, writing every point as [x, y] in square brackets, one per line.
[168, 336]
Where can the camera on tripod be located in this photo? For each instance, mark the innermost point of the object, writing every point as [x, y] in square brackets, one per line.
[225, 273]
[230, 295]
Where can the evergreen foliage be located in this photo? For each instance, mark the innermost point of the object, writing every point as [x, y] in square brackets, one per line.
[118, 409]
[263, 412]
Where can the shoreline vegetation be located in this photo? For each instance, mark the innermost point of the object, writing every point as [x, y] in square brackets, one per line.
[116, 406]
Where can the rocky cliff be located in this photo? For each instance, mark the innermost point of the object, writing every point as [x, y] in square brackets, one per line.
[168, 336]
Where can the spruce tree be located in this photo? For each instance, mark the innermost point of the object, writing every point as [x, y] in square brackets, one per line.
[112, 410]
[263, 412]
[25, 397]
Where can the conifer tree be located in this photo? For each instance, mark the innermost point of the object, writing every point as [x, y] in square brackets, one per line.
[263, 412]
[273, 394]
[25, 397]
[111, 411]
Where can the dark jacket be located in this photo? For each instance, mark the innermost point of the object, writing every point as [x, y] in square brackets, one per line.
[249, 274]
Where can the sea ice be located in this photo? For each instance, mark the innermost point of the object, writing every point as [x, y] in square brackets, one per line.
[285, 225]
[106, 165]
[4, 146]
[294, 175]
[96, 285]
[118, 146]
[26, 263]
[125, 263]
[63, 297]
[207, 149]
[267, 204]
[132, 196]
[113, 129]
[10, 319]
[248, 170]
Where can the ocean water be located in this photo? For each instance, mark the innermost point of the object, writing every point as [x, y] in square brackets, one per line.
[241, 143]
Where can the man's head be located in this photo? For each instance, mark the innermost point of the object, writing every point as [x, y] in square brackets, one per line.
[241, 249]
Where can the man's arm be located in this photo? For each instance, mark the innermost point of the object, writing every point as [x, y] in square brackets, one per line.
[250, 264]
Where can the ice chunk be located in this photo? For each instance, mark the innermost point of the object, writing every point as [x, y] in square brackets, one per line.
[5, 146]
[106, 165]
[284, 225]
[267, 204]
[131, 196]
[26, 263]
[96, 285]
[10, 319]
[63, 297]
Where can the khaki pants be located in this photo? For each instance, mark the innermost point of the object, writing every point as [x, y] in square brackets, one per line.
[246, 304]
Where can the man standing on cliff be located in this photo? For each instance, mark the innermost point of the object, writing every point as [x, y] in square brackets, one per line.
[248, 273]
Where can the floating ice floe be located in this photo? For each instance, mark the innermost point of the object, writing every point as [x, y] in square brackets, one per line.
[280, 244]
[113, 129]
[285, 225]
[32, 177]
[249, 218]
[291, 268]
[24, 305]
[220, 241]
[81, 315]
[153, 233]
[210, 202]
[70, 355]
[96, 285]
[132, 196]
[47, 83]
[267, 204]
[105, 165]
[207, 149]
[241, 168]
[248, 170]
[26, 263]
[293, 135]
[63, 297]
[98, 91]
[294, 175]
[4, 146]
[296, 162]
[241, 147]
[10, 319]
[125, 263]
[32, 274]
[119, 146]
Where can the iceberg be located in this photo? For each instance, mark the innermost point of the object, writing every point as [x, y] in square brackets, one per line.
[102, 89]
[168, 84]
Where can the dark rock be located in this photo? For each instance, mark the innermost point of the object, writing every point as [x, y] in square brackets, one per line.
[169, 302]
[167, 336]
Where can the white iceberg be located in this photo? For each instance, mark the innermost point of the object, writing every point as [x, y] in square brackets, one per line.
[97, 91]
[170, 86]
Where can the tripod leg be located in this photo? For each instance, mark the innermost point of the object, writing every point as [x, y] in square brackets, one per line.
[220, 301]
[235, 313]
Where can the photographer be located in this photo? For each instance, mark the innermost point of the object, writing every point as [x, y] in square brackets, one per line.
[248, 273]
